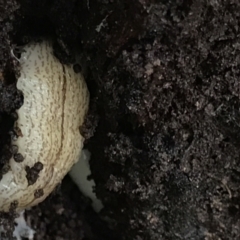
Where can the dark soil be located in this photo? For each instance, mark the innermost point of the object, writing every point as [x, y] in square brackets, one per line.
[163, 126]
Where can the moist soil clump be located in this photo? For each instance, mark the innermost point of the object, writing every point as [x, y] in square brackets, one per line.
[163, 122]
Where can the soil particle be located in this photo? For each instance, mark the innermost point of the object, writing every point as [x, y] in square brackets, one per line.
[32, 173]
[18, 157]
[38, 193]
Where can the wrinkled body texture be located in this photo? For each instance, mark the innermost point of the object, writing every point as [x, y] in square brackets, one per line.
[55, 103]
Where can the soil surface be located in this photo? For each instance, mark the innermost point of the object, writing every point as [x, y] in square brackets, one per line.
[163, 126]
